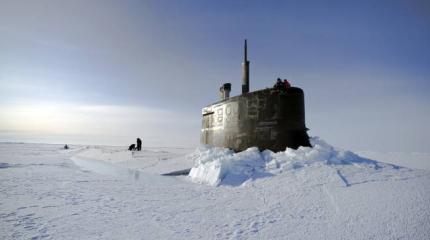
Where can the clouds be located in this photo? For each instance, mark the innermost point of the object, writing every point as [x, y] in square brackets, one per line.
[171, 57]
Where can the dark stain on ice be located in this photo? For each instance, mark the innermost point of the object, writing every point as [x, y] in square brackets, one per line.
[5, 165]
[178, 173]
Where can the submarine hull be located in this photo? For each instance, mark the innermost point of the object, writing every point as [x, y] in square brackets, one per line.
[268, 119]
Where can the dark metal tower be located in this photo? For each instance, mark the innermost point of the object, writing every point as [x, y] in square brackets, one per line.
[245, 77]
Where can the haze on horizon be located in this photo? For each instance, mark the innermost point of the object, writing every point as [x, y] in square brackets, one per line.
[106, 72]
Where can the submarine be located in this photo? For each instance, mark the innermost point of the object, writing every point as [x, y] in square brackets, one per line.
[271, 118]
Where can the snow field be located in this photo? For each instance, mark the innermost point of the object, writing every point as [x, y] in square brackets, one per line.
[321, 193]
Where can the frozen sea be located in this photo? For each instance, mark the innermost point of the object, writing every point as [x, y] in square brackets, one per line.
[106, 192]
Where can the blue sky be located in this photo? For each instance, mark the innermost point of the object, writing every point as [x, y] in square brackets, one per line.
[108, 71]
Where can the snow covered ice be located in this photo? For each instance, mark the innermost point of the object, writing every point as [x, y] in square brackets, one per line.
[104, 192]
[215, 166]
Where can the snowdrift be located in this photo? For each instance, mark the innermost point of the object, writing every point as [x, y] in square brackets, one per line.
[220, 166]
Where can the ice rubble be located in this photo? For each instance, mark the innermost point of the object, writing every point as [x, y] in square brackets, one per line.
[215, 166]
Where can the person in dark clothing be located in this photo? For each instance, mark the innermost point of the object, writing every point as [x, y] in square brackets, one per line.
[279, 85]
[132, 147]
[139, 144]
[286, 84]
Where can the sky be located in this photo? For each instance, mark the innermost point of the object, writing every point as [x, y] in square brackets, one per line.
[106, 72]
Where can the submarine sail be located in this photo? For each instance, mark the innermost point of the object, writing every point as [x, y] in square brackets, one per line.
[272, 118]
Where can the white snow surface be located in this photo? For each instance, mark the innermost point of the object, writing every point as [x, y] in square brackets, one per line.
[104, 192]
[418, 160]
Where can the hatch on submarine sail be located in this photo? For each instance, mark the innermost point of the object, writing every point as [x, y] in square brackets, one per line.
[272, 118]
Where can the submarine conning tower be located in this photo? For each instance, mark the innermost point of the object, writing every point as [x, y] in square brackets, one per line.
[271, 118]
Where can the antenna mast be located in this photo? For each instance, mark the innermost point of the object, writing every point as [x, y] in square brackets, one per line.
[245, 66]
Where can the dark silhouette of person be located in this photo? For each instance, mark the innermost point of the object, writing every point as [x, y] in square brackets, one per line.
[139, 144]
[131, 147]
[286, 84]
[279, 85]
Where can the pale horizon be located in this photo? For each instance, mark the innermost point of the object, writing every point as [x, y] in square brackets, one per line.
[107, 72]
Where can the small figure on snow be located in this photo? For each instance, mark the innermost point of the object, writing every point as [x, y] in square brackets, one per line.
[132, 147]
[139, 144]
[66, 147]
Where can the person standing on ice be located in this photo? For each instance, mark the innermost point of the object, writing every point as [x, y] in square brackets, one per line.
[139, 144]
